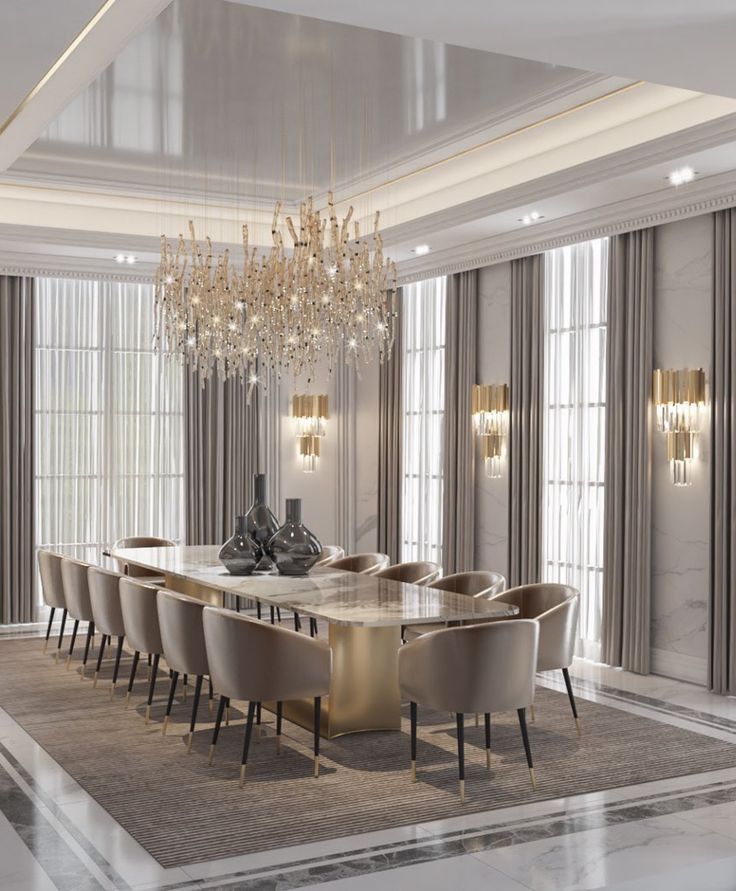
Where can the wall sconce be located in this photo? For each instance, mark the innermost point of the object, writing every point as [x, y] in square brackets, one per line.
[491, 422]
[310, 414]
[679, 398]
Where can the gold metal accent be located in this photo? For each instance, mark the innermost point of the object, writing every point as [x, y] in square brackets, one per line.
[165, 725]
[490, 409]
[316, 766]
[68, 661]
[210, 705]
[578, 727]
[57, 655]
[531, 713]
[148, 714]
[211, 754]
[679, 398]
[227, 715]
[309, 407]
[242, 775]
[462, 790]
[534, 778]
[112, 690]
[94, 681]
[189, 742]
[413, 771]
[488, 759]
[310, 412]
[127, 699]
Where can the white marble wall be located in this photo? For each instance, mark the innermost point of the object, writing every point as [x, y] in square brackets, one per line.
[680, 516]
[493, 367]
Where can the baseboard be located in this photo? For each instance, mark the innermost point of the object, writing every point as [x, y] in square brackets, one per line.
[692, 669]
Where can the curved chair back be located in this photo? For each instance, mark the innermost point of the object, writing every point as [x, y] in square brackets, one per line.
[366, 564]
[140, 615]
[104, 595]
[418, 573]
[182, 635]
[141, 541]
[52, 585]
[260, 662]
[474, 584]
[480, 668]
[556, 609]
[329, 554]
[76, 589]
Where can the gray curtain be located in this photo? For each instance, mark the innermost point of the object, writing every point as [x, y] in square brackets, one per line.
[222, 454]
[625, 625]
[722, 595]
[17, 532]
[526, 443]
[390, 437]
[458, 515]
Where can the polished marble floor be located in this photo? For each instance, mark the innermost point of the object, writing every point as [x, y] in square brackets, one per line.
[671, 835]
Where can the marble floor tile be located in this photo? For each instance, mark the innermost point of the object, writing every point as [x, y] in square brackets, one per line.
[18, 867]
[719, 818]
[453, 874]
[717, 875]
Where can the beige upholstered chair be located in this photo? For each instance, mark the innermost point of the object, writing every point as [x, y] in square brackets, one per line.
[480, 668]
[366, 564]
[329, 554]
[141, 541]
[478, 583]
[418, 573]
[52, 587]
[104, 595]
[182, 636]
[140, 618]
[556, 609]
[255, 662]
[76, 594]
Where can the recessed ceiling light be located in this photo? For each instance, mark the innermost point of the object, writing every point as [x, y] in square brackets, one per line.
[131, 259]
[422, 249]
[681, 175]
[120, 258]
[530, 218]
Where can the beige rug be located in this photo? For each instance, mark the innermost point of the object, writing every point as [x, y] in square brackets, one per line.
[182, 811]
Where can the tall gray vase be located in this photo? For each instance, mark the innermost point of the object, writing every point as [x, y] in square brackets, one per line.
[261, 524]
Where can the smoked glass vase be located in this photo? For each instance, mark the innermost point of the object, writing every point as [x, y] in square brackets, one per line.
[240, 554]
[261, 524]
[294, 549]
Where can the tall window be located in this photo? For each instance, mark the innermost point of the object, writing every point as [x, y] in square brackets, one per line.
[109, 418]
[423, 331]
[574, 427]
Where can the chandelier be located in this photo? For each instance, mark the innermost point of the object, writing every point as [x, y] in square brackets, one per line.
[330, 295]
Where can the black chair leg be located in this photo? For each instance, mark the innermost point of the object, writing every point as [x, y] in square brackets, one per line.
[210, 698]
[246, 742]
[116, 670]
[278, 614]
[527, 748]
[461, 753]
[273, 616]
[90, 638]
[48, 628]
[71, 645]
[488, 741]
[100, 654]
[61, 634]
[258, 608]
[131, 680]
[571, 696]
[152, 685]
[279, 719]
[313, 628]
[220, 712]
[297, 622]
[413, 718]
[172, 690]
[195, 706]
[317, 720]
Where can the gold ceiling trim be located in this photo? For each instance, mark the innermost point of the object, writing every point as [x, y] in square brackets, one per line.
[91, 24]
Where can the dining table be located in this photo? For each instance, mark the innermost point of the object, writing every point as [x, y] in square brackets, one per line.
[364, 615]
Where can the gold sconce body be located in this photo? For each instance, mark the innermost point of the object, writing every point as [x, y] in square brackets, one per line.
[490, 410]
[679, 400]
[310, 413]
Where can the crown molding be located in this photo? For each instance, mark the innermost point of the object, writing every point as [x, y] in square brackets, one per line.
[708, 196]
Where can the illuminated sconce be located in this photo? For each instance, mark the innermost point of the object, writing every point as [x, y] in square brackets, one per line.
[310, 414]
[491, 421]
[679, 400]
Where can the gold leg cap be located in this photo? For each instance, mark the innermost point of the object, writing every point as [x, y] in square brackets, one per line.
[94, 682]
[112, 689]
[127, 699]
[534, 778]
[81, 673]
[148, 713]
[462, 790]
[211, 755]
[242, 775]
[189, 743]
[316, 765]
[209, 706]
[578, 727]
[227, 715]
[68, 661]
[165, 725]
[531, 713]
[413, 771]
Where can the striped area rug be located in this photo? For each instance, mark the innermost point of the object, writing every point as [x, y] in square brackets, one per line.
[182, 811]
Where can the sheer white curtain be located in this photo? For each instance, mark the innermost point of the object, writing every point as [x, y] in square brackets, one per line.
[574, 427]
[423, 382]
[109, 418]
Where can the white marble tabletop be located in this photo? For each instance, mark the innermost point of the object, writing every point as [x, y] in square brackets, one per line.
[343, 598]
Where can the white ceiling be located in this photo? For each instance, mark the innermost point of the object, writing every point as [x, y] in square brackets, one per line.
[682, 43]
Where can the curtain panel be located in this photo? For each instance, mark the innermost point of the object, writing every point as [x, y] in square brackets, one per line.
[526, 442]
[390, 438]
[625, 626]
[722, 594]
[17, 527]
[458, 515]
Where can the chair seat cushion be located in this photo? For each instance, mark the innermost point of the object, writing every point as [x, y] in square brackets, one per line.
[411, 632]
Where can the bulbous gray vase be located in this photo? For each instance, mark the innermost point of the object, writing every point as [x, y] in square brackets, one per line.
[294, 549]
[240, 553]
[261, 524]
